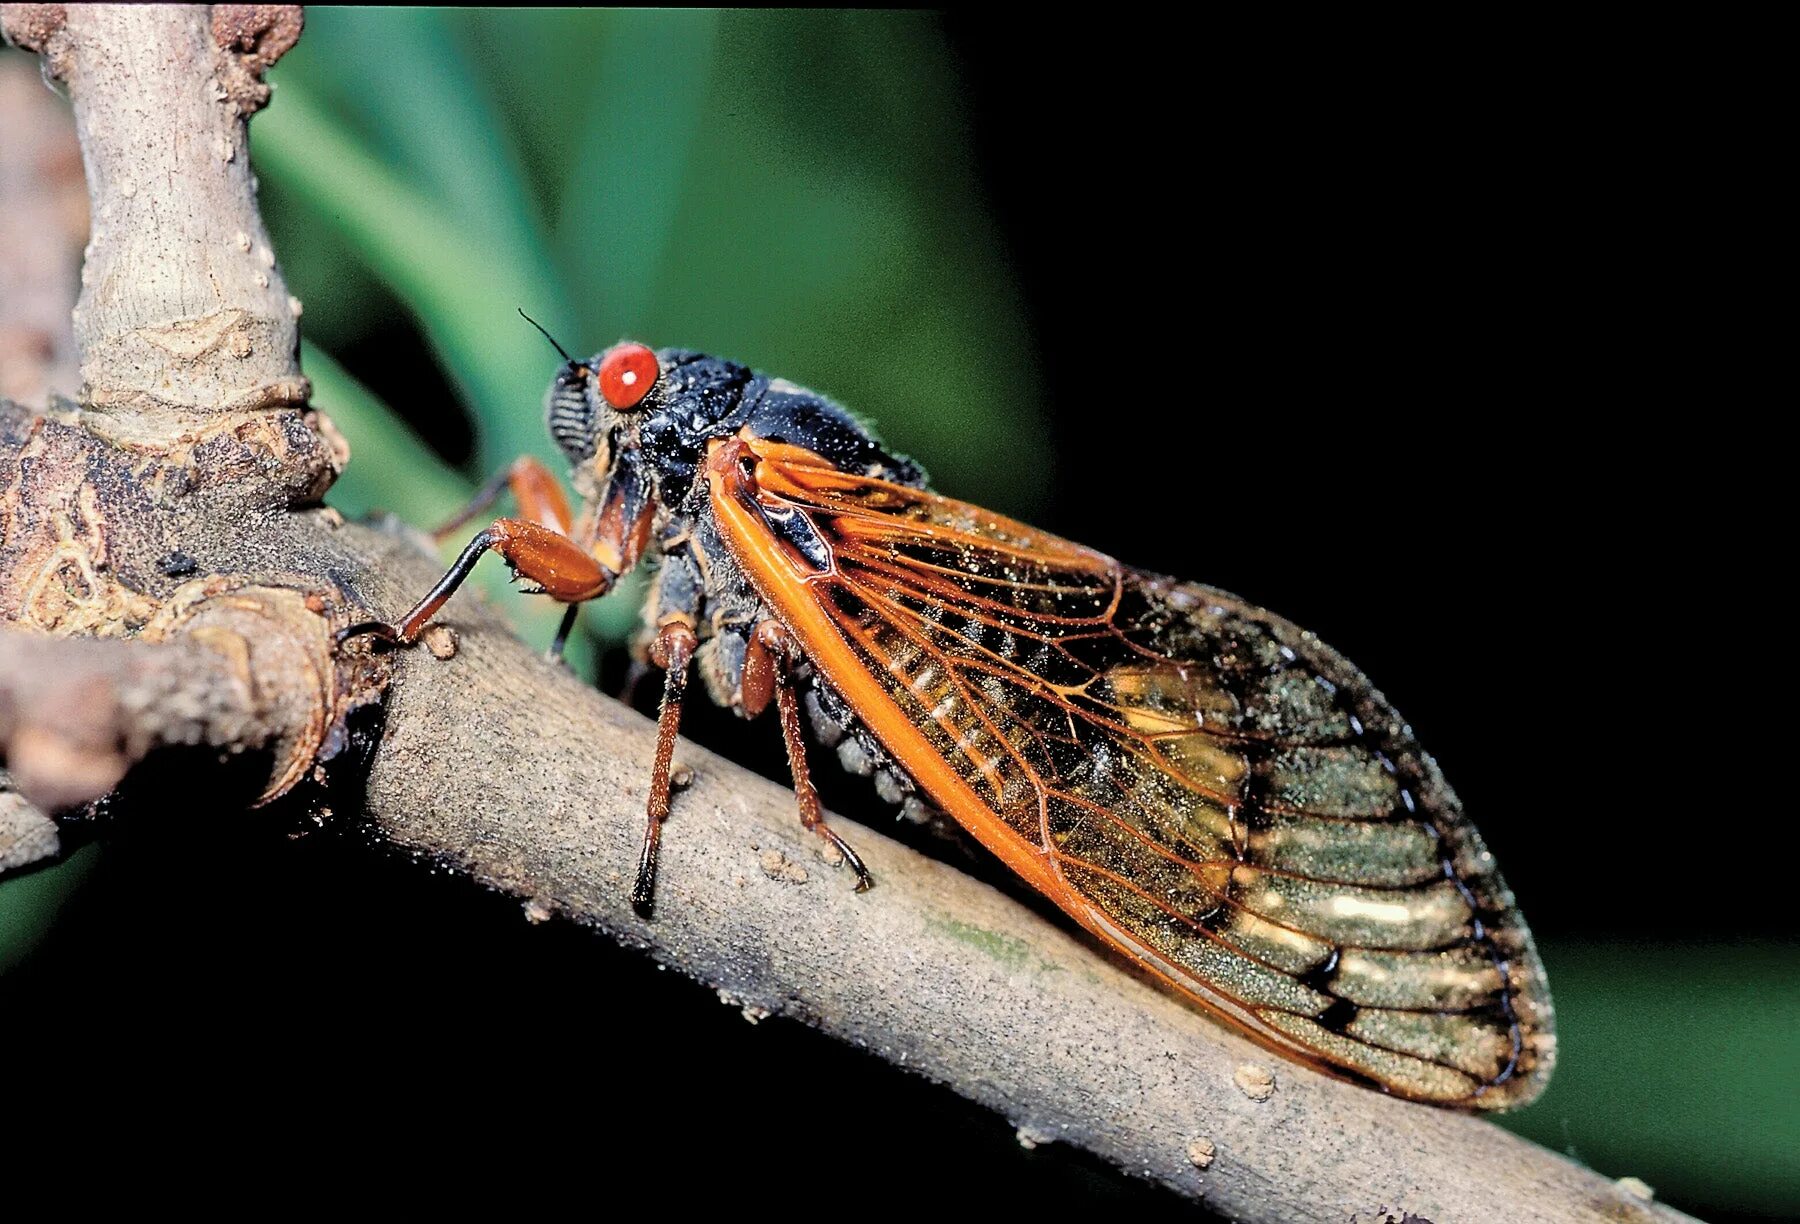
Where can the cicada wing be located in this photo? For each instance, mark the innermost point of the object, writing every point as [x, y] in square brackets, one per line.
[1199, 782]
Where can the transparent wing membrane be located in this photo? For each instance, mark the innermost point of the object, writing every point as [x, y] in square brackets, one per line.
[1199, 782]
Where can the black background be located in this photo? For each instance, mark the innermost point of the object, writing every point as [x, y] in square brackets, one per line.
[1405, 379]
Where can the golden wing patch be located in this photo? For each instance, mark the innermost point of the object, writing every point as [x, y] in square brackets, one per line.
[1210, 789]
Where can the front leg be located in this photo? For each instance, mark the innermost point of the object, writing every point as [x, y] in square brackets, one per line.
[540, 499]
[539, 496]
[542, 554]
[539, 547]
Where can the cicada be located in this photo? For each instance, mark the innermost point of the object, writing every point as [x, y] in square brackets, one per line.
[1205, 787]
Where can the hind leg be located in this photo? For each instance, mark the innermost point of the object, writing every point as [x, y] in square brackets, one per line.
[769, 672]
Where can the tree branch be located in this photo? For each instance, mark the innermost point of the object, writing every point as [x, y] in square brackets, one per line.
[932, 970]
[504, 768]
[43, 222]
[184, 492]
[74, 715]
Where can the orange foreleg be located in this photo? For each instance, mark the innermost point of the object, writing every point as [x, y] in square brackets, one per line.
[542, 554]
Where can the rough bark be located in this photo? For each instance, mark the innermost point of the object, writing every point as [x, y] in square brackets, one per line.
[177, 507]
[43, 222]
[178, 501]
[180, 272]
[215, 672]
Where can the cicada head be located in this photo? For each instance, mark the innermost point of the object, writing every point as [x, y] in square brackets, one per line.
[662, 404]
[663, 407]
[590, 401]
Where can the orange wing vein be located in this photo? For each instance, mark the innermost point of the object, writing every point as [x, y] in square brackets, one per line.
[1203, 785]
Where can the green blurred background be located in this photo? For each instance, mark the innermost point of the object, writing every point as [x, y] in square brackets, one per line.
[963, 232]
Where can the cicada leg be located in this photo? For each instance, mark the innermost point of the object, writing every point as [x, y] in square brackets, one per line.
[544, 555]
[554, 653]
[540, 499]
[673, 650]
[537, 492]
[769, 670]
[538, 546]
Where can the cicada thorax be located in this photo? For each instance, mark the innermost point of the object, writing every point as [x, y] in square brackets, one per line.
[698, 581]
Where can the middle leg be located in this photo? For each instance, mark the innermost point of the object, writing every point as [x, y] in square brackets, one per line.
[673, 650]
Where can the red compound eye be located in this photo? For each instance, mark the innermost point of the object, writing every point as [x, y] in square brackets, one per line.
[627, 373]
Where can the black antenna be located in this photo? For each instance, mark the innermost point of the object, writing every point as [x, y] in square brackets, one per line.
[552, 339]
